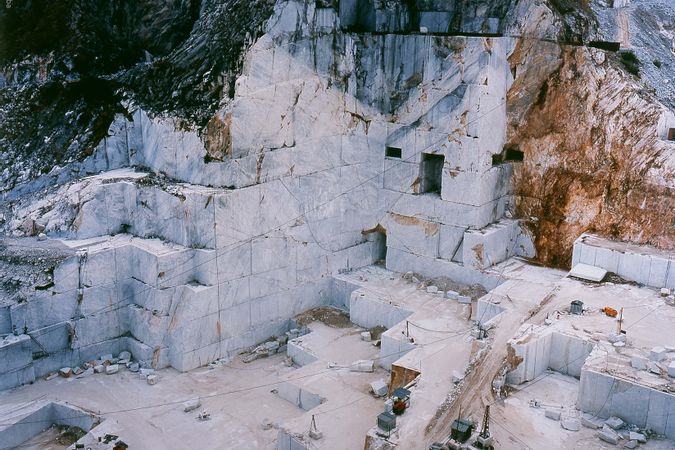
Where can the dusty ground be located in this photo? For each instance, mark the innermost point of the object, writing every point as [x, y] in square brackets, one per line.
[332, 317]
[515, 425]
[238, 397]
[246, 411]
[54, 438]
[531, 294]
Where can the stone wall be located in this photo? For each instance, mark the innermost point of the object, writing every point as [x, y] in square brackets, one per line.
[640, 263]
[604, 395]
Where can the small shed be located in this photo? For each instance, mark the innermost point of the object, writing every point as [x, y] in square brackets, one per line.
[577, 307]
[386, 421]
[461, 430]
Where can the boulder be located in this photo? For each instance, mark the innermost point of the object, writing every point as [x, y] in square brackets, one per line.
[654, 368]
[379, 387]
[363, 365]
[99, 369]
[658, 354]
[671, 369]
[608, 436]
[112, 369]
[65, 372]
[590, 421]
[124, 356]
[638, 362]
[152, 379]
[553, 414]
[615, 423]
[191, 405]
[366, 336]
[633, 436]
[571, 424]
[134, 367]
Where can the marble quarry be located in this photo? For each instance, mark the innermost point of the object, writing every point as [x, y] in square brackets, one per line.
[347, 226]
[218, 253]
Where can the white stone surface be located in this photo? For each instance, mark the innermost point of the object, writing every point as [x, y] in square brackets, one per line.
[221, 258]
[658, 353]
[588, 272]
[605, 396]
[379, 388]
[362, 365]
[553, 414]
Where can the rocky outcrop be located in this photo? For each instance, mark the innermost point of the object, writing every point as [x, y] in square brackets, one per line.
[66, 70]
[596, 158]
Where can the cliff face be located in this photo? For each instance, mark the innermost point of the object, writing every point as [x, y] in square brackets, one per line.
[591, 132]
[596, 157]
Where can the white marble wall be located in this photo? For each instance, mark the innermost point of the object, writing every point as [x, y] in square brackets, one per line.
[643, 264]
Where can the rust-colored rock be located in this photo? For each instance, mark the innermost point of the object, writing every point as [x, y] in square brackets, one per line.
[218, 139]
[593, 159]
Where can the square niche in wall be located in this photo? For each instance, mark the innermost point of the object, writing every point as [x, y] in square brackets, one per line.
[393, 152]
[431, 173]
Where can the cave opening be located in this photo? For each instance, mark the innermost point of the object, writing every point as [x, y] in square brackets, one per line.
[512, 154]
[508, 155]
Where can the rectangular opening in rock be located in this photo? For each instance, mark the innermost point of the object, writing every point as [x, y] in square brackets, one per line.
[431, 173]
[393, 152]
[513, 155]
[671, 134]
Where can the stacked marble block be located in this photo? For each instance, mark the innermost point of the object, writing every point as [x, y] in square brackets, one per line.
[643, 264]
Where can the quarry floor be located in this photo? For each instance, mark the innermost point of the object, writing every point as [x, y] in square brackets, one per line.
[247, 413]
[516, 425]
[245, 410]
[153, 417]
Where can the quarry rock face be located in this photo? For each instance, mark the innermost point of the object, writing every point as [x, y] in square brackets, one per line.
[336, 139]
[611, 173]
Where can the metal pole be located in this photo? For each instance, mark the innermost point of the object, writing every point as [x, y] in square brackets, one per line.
[620, 321]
